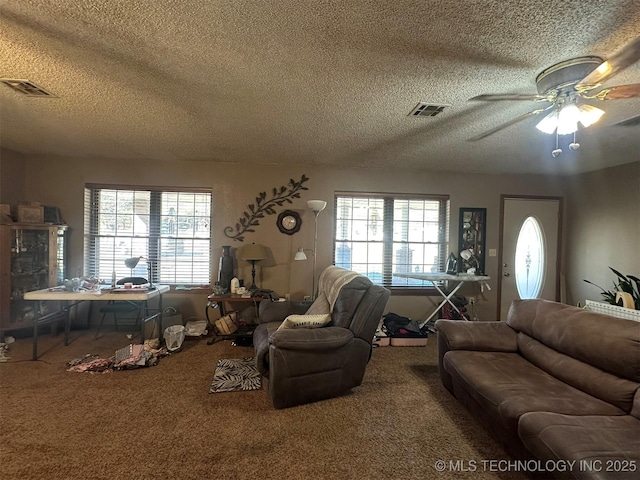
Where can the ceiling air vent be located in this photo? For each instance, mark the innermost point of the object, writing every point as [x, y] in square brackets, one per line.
[427, 110]
[25, 86]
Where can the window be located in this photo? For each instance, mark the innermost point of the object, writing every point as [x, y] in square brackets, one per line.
[170, 228]
[529, 261]
[378, 234]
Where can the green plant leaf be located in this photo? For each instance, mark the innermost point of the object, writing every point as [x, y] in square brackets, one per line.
[621, 276]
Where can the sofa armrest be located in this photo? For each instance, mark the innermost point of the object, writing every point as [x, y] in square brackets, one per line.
[482, 336]
[277, 311]
[463, 335]
[324, 338]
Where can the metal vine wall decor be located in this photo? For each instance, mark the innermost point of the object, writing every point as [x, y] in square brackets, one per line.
[263, 207]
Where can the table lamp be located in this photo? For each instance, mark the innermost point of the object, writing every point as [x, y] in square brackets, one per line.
[253, 253]
[471, 260]
[133, 263]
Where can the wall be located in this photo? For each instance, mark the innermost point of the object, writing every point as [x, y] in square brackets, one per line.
[60, 182]
[12, 177]
[603, 226]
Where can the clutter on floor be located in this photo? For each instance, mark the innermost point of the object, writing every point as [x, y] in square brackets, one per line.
[4, 349]
[399, 331]
[125, 358]
[196, 328]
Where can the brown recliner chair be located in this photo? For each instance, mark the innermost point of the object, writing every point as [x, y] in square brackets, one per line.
[308, 364]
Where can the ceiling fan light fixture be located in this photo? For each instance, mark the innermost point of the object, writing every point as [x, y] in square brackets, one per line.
[589, 114]
[568, 119]
[549, 123]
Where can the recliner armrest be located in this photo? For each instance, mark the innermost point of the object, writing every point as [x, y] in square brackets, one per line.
[324, 338]
[482, 336]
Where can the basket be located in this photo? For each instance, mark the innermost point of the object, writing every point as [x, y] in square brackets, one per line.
[613, 310]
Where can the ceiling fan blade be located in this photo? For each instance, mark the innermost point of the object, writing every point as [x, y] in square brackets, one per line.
[619, 92]
[509, 123]
[620, 60]
[629, 122]
[490, 97]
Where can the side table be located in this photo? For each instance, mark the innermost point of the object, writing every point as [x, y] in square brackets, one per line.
[244, 334]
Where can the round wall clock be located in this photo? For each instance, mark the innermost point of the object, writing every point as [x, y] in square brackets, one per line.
[289, 222]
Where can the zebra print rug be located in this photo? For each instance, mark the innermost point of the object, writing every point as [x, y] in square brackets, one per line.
[235, 374]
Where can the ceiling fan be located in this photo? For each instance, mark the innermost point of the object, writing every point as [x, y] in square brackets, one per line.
[566, 87]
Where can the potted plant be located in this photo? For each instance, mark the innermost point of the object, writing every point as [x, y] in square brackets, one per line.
[625, 283]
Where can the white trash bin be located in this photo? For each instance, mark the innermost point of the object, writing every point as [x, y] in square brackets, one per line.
[173, 337]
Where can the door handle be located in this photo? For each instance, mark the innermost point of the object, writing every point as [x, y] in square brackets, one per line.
[506, 274]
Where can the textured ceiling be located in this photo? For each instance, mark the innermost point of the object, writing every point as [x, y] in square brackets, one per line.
[306, 82]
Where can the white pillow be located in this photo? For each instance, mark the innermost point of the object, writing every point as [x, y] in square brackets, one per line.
[305, 321]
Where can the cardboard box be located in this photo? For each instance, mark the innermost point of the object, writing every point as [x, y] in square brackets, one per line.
[30, 214]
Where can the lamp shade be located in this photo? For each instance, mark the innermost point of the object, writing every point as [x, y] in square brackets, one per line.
[466, 254]
[549, 123]
[254, 252]
[300, 255]
[589, 114]
[316, 205]
[132, 262]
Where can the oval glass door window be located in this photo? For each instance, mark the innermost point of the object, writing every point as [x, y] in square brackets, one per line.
[529, 261]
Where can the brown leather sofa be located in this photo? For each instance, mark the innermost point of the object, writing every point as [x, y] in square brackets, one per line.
[554, 383]
[308, 364]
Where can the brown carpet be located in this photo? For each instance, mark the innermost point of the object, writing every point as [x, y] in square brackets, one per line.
[162, 422]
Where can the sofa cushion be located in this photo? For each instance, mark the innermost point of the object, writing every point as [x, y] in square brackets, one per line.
[589, 379]
[602, 446]
[635, 410]
[608, 343]
[507, 385]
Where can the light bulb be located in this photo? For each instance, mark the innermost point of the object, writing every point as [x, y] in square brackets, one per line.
[568, 119]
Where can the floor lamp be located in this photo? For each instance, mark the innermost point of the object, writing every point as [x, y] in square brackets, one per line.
[317, 206]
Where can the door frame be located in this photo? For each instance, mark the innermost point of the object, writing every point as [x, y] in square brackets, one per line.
[504, 197]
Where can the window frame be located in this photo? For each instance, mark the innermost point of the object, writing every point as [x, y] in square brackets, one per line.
[388, 241]
[154, 237]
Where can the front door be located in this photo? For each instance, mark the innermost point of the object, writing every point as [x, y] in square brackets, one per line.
[530, 250]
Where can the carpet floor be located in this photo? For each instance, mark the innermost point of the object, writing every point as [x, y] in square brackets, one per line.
[162, 420]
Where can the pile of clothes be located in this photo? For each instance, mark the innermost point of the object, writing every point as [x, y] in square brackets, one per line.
[131, 356]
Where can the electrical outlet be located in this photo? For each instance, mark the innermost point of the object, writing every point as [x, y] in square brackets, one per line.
[287, 296]
[493, 252]
[472, 300]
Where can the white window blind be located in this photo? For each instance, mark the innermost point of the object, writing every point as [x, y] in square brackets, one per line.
[378, 235]
[170, 228]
